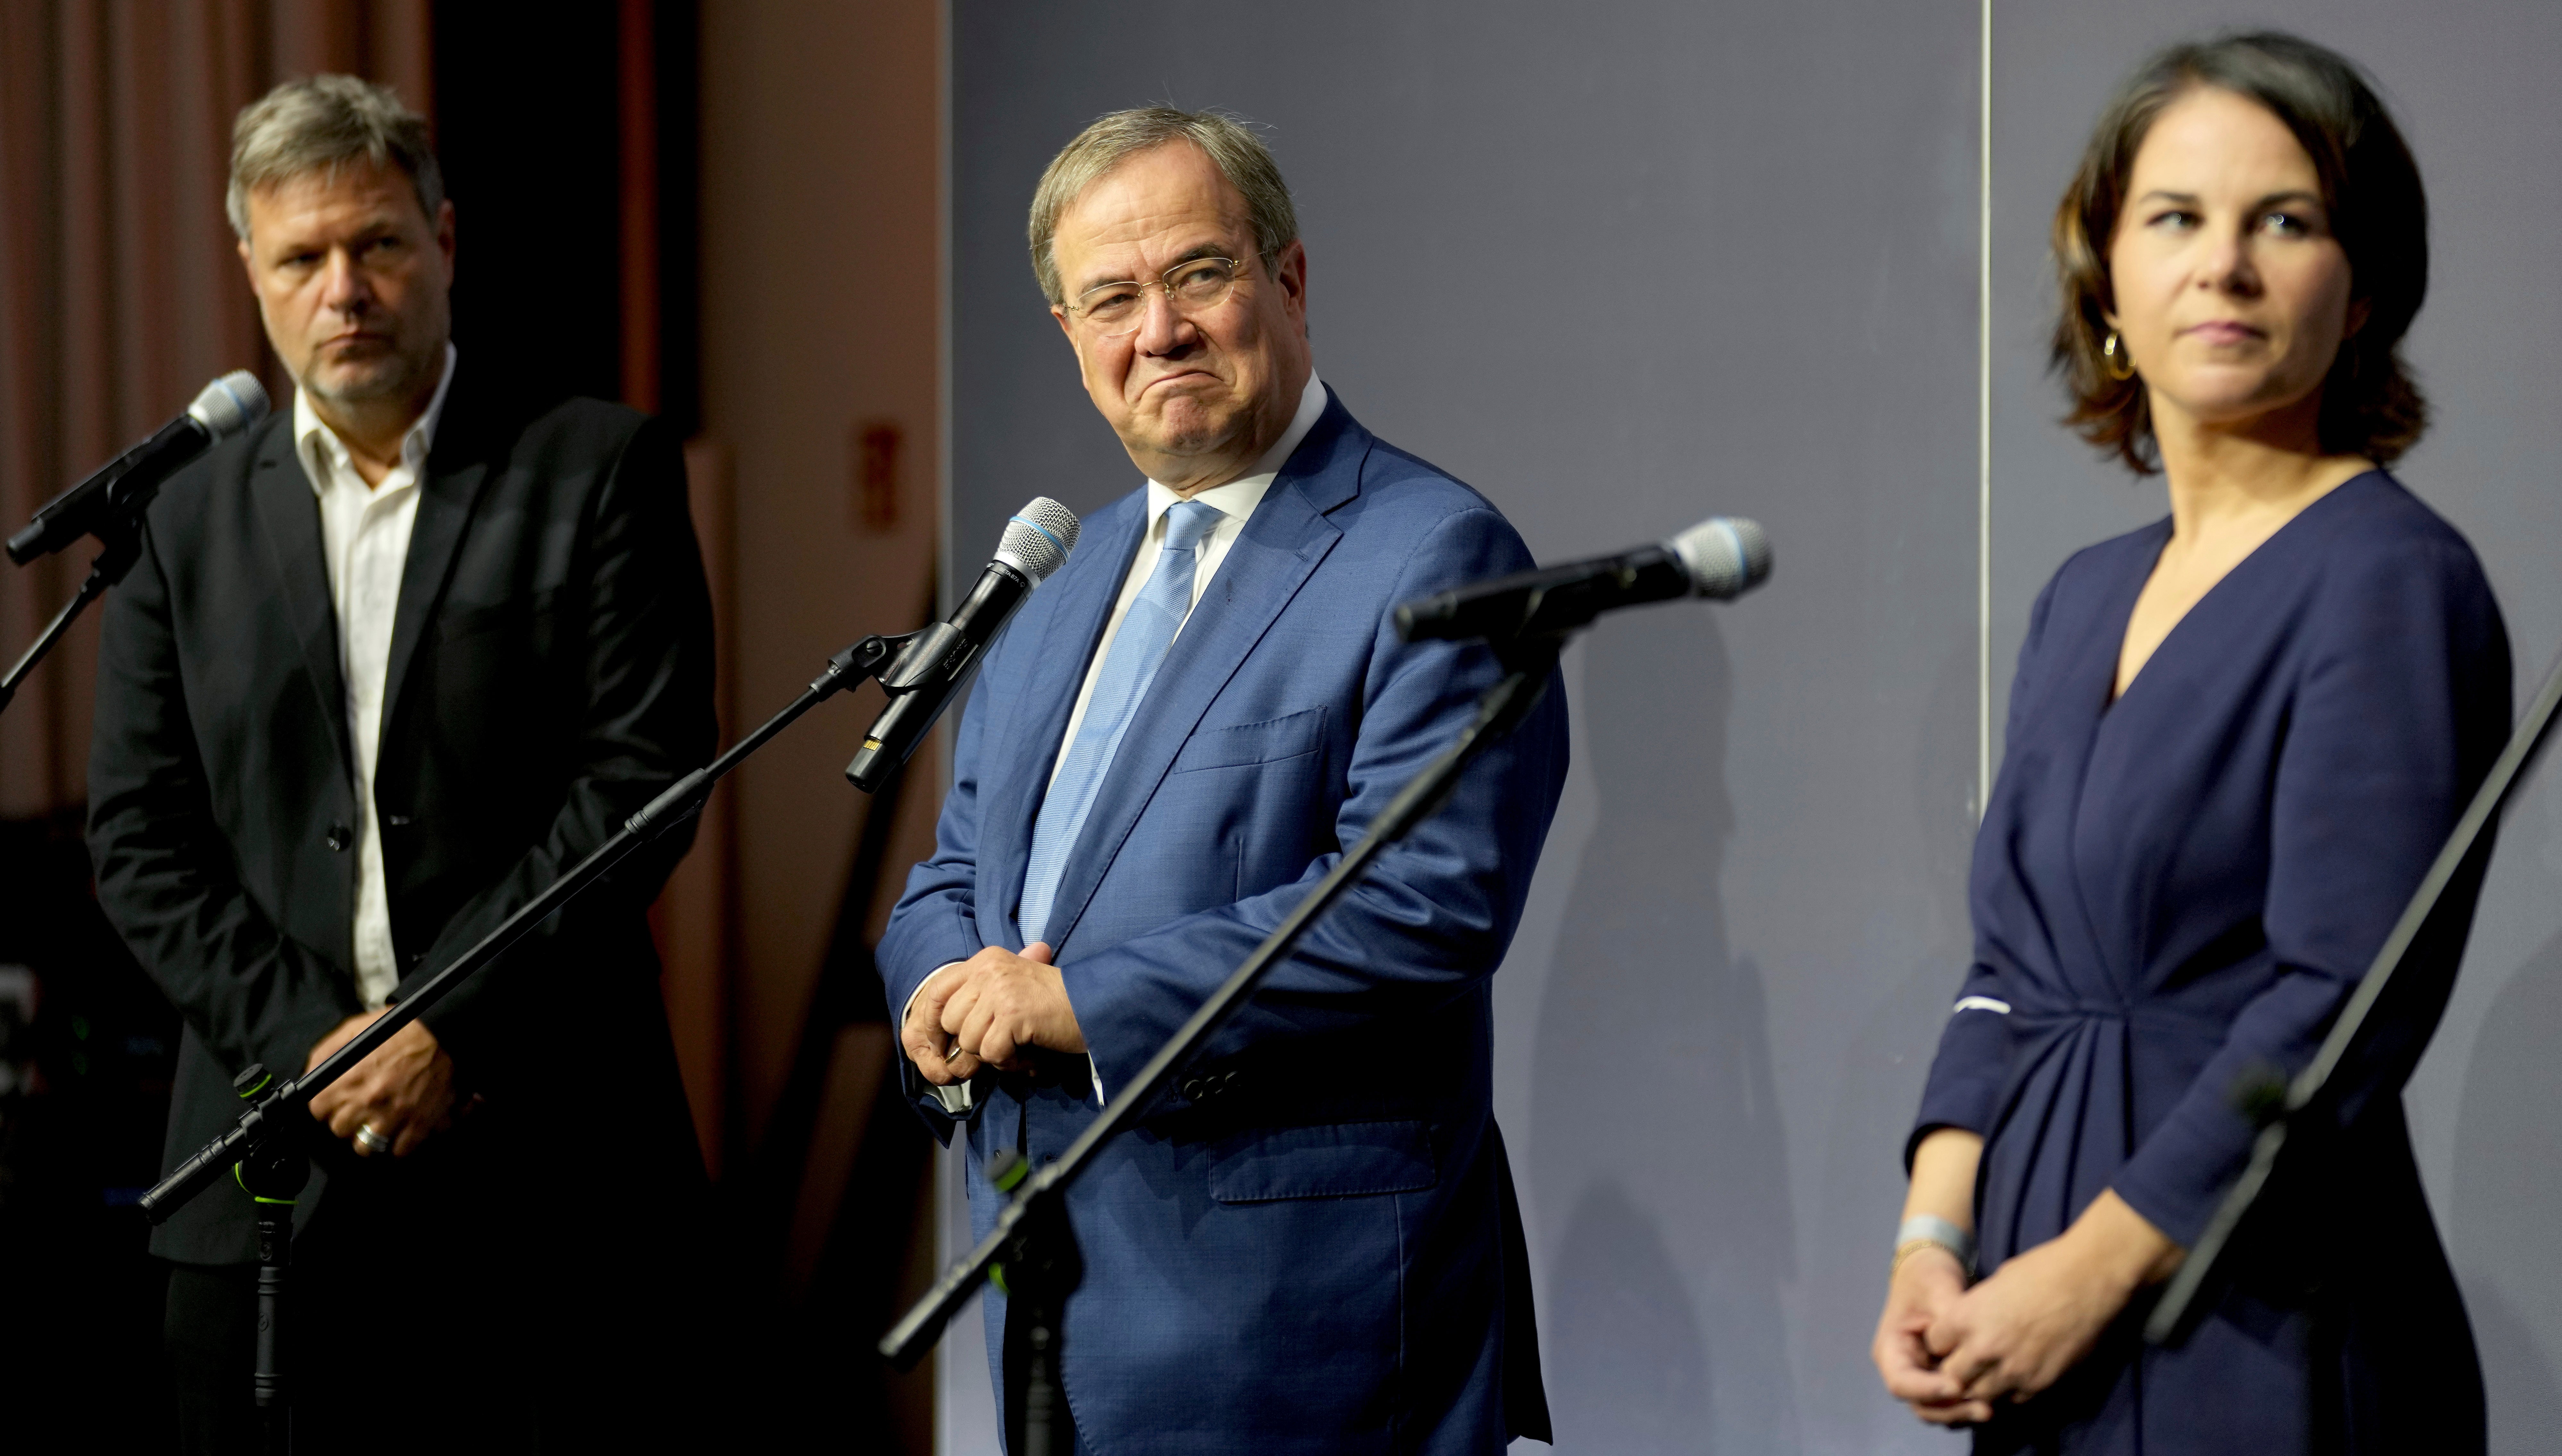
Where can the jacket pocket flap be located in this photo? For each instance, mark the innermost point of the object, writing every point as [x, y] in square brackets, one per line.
[1341, 1160]
[1253, 743]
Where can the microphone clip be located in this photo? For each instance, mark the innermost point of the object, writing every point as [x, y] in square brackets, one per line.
[863, 659]
[928, 654]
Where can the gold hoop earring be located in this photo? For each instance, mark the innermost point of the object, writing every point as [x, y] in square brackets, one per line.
[2112, 356]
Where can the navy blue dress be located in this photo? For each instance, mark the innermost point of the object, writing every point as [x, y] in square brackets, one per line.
[2177, 892]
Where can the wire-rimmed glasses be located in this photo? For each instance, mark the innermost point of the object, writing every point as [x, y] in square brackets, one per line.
[1195, 285]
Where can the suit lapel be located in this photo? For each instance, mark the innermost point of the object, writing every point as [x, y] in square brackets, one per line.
[1037, 718]
[289, 515]
[1281, 545]
[456, 468]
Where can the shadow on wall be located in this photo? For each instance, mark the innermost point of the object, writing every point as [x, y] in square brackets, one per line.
[2507, 1197]
[1861, 1186]
[1654, 1116]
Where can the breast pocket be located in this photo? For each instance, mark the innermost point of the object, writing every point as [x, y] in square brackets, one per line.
[1248, 745]
[1254, 802]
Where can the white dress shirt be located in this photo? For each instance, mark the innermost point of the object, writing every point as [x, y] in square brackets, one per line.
[364, 537]
[1235, 501]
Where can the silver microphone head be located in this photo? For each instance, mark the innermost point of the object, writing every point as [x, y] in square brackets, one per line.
[1038, 538]
[1726, 556]
[230, 403]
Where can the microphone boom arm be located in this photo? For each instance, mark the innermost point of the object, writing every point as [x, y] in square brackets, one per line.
[1031, 1229]
[110, 503]
[280, 1109]
[123, 538]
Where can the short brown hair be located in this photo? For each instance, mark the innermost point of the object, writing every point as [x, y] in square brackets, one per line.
[1117, 136]
[321, 124]
[2371, 187]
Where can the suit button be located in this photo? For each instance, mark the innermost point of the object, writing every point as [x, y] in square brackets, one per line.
[340, 837]
[1194, 1089]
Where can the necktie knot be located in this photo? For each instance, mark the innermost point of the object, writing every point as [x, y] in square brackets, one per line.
[1187, 521]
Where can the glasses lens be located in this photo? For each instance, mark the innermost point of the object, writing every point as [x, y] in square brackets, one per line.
[1202, 283]
[1117, 309]
[1113, 305]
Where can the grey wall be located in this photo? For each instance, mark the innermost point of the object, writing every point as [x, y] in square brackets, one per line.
[1624, 265]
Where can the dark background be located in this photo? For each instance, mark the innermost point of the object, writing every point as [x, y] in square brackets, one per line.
[570, 138]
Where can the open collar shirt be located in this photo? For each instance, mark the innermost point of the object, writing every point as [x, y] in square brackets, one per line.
[364, 536]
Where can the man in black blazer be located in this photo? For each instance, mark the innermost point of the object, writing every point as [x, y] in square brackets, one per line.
[389, 664]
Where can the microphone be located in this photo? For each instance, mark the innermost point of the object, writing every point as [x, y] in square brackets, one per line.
[1721, 558]
[927, 673]
[126, 483]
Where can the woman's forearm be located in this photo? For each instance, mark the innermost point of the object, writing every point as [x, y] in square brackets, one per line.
[2121, 1246]
[1944, 1176]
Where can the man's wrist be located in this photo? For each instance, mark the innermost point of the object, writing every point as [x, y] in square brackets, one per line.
[909, 1005]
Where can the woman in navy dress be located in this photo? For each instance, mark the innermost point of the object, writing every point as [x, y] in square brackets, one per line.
[2238, 738]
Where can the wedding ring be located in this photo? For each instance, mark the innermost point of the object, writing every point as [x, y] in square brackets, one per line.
[371, 1140]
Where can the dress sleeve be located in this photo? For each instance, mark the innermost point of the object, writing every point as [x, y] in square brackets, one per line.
[1974, 1046]
[2399, 707]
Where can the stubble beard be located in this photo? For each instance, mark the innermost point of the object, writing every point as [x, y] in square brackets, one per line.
[390, 376]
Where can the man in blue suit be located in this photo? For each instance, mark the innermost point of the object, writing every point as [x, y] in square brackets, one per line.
[1312, 1244]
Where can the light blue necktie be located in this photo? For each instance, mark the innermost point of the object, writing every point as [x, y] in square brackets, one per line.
[1136, 651]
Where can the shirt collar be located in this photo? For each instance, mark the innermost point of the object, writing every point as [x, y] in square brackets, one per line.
[1238, 498]
[313, 438]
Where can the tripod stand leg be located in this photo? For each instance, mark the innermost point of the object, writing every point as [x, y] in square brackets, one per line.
[1042, 1427]
[1042, 1269]
[272, 1175]
[274, 1262]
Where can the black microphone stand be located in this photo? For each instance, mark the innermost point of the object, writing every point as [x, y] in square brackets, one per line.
[2295, 1115]
[121, 531]
[264, 1147]
[1031, 1251]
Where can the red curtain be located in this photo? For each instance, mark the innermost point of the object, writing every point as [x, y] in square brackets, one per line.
[119, 291]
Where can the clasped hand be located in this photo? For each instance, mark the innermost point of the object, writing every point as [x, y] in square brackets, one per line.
[1950, 1351]
[988, 1010]
[403, 1089]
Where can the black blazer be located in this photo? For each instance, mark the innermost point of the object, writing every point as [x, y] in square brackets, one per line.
[551, 669]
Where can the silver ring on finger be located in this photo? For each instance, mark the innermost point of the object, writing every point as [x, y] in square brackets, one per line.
[371, 1140]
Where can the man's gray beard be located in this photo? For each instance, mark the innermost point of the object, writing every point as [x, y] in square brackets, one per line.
[392, 384]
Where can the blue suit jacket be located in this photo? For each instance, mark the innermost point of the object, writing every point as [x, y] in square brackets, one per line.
[1312, 1246]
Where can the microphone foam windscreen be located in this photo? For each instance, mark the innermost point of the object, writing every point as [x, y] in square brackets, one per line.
[1038, 538]
[1726, 556]
[231, 403]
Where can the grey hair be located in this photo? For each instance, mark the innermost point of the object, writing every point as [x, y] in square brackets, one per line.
[322, 124]
[1117, 136]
